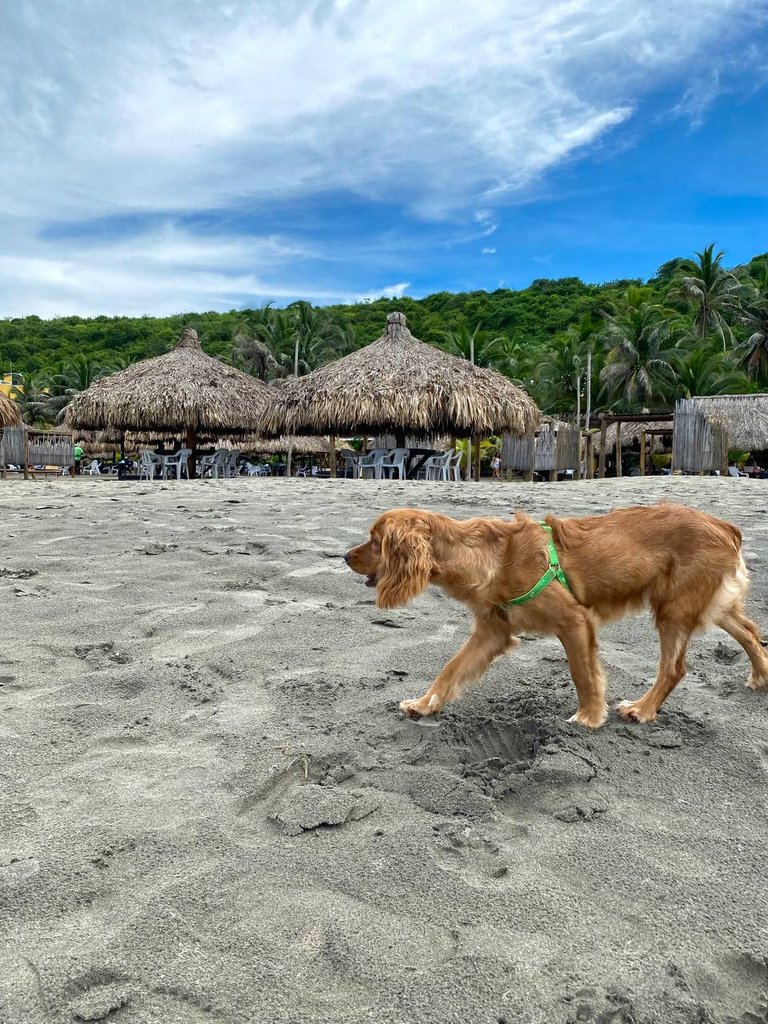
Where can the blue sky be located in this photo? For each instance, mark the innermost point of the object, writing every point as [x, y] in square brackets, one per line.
[172, 155]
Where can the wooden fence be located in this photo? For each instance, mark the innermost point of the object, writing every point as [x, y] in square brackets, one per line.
[22, 447]
[698, 444]
[554, 447]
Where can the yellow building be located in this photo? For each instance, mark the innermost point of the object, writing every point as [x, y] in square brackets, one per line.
[8, 388]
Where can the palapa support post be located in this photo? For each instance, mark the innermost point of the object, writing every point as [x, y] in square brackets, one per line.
[332, 454]
[289, 457]
[642, 453]
[590, 456]
[603, 438]
[190, 441]
[477, 459]
[468, 467]
[618, 448]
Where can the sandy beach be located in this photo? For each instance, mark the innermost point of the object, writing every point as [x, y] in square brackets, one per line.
[211, 809]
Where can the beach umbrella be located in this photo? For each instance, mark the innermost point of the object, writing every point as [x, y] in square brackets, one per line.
[402, 386]
[10, 415]
[184, 391]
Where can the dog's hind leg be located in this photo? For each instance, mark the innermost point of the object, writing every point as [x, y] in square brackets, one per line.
[580, 643]
[674, 639]
[746, 633]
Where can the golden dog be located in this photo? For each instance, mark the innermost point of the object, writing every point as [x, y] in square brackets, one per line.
[685, 565]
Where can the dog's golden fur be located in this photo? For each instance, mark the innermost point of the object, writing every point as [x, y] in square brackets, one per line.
[685, 565]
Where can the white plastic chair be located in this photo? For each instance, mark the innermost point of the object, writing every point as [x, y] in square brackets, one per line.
[231, 467]
[454, 466]
[94, 469]
[213, 465]
[372, 462]
[351, 461]
[436, 467]
[148, 463]
[395, 460]
[179, 460]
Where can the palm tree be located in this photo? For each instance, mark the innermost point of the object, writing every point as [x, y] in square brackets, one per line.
[253, 356]
[498, 352]
[33, 398]
[316, 337]
[702, 370]
[753, 351]
[509, 358]
[713, 290]
[555, 377]
[75, 376]
[80, 372]
[639, 365]
[474, 345]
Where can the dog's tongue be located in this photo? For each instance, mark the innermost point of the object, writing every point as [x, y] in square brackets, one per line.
[370, 581]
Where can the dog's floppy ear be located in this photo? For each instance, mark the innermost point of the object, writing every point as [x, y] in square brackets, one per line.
[406, 561]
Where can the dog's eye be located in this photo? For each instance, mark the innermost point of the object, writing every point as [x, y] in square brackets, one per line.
[375, 545]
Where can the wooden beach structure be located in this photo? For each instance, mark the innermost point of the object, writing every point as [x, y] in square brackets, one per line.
[619, 429]
[28, 448]
[184, 391]
[700, 432]
[399, 385]
[553, 448]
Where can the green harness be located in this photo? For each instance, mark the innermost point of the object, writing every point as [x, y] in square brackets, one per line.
[554, 572]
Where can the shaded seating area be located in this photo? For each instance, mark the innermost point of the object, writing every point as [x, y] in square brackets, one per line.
[403, 464]
[183, 392]
[398, 385]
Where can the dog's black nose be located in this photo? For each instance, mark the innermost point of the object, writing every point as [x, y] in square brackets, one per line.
[346, 558]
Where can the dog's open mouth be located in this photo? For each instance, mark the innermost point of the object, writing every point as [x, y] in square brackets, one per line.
[370, 581]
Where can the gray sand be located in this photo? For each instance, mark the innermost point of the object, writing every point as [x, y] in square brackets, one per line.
[211, 809]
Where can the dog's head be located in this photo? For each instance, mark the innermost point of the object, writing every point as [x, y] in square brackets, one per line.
[397, 557]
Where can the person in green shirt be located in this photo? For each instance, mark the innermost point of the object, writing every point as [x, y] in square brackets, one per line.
[78, 453]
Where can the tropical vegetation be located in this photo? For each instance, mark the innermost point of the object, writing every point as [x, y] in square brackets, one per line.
[696, 328]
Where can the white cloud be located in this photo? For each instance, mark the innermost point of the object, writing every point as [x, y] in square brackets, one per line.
[166, 107]
[166, 270]
[389, 291]
[487, 251]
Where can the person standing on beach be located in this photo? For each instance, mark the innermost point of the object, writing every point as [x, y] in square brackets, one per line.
[78, 453]
[495, 468]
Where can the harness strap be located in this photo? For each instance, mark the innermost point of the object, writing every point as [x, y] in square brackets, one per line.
[554, 572]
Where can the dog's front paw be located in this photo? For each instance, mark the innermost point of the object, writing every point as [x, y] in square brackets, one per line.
[422, 706]
[590, 719]
[636, 711]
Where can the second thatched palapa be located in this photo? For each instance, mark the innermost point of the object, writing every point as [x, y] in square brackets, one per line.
[184, 391]
[401, 385]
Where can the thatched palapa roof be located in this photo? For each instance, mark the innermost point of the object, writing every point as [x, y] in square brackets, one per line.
[300, 445]
[631, 431]
[184, 390]
[401, 384]
[745, 418]
[10, 415]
